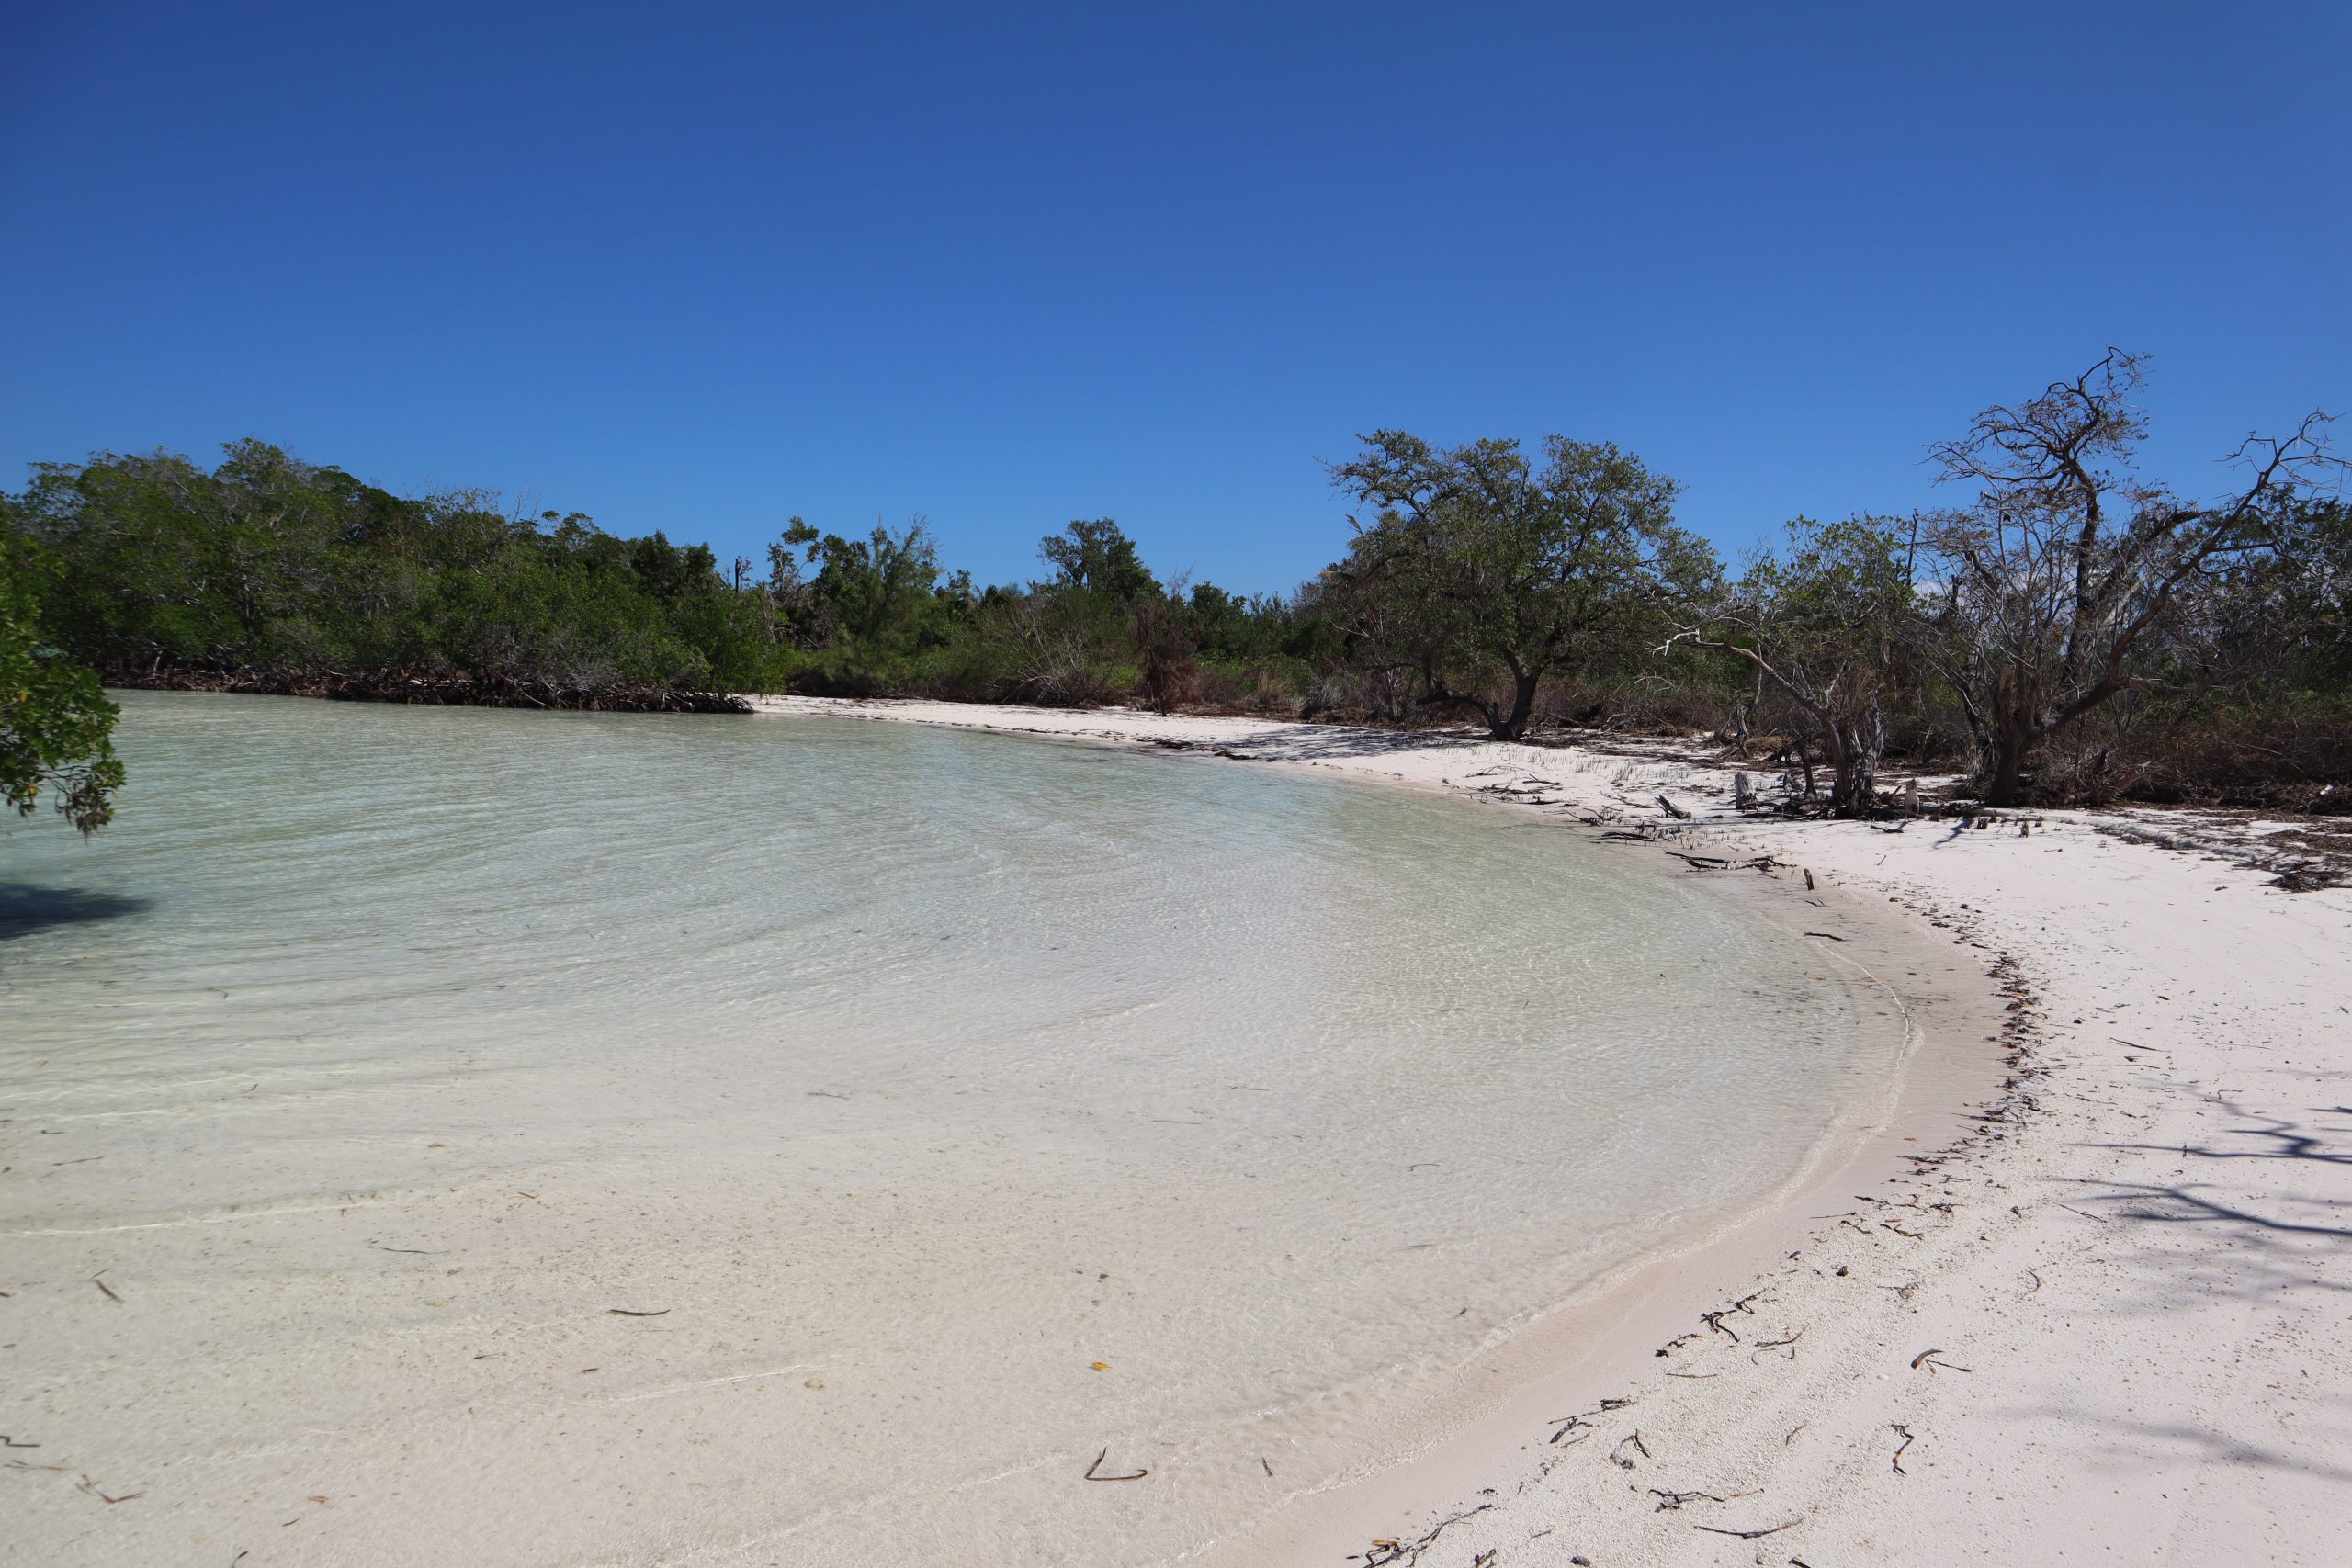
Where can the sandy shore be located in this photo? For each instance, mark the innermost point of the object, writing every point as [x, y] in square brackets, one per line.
[2103, 1319]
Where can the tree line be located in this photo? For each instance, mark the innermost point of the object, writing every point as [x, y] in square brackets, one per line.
[2068, 629]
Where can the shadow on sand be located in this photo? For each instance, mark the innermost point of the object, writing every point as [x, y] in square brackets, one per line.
[25, 908]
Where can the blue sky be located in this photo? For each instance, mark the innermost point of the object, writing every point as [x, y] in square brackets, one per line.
[702, 267]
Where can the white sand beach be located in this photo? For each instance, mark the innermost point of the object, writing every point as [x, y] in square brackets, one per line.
[2103, 1320]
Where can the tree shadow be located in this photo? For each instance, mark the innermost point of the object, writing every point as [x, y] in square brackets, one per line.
[2277, 1137]
[2140, 1444]
[2284, 1218]
[26, 908]
[2180, 1203]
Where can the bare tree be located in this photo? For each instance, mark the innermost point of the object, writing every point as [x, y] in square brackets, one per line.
[1821, 625]
[2049, 583]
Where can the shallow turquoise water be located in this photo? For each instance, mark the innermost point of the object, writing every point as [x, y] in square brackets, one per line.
[923, 1066]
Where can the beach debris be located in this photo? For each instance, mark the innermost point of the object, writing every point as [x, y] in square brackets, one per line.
[1582, 1420]
[1673, 810]
[92, 1488]
[1826, 936]
[1386, 1551]
[1269, 1467]
[8, 1442]
[629, 1312]
[1714, 1319]
[1098, 1365]
[1095, 1470]
[1750, 1534]
[1617, 1455]
[98, 1279]
[1928, 1359]
[1907, 1440]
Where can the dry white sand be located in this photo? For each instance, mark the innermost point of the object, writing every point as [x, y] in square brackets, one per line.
[2107, 1322]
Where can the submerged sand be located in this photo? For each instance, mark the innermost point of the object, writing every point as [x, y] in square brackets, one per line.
[536, 1130]
[2105, 1322]
[2078, 1295]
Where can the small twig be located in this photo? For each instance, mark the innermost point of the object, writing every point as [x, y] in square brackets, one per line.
[625, 1312]
[1584, 1418]
[1750, 1534]
[1907, 1442]
[99, 1282]
[1093, 1471]
[1928, 1359]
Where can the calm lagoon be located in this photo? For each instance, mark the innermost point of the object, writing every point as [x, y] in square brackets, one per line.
[962, 1106]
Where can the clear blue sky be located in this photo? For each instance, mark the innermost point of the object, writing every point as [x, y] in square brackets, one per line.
[701, 267]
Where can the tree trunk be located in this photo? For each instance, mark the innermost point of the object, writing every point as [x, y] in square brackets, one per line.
[1523, 703]
[2009, 739]
[2010, 742]
[1862, 743]
[2004, 775]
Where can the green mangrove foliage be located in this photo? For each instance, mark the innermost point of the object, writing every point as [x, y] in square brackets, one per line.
[2069, 630]
[161, 572]
[56, 726]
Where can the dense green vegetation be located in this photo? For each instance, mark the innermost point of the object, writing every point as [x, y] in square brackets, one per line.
[56, 726]
[2068, 630]
[155, 565]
